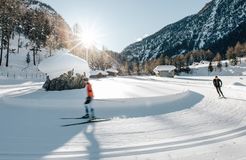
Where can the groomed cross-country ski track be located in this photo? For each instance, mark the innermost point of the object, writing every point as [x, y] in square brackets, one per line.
[153, 118]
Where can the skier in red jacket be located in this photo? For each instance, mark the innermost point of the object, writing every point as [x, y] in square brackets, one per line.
[88, 108]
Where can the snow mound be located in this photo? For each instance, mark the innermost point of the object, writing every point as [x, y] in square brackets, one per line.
[239, 84]
[63, 62]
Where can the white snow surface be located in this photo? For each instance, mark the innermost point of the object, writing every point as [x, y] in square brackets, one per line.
[153, 118]
[62, 62]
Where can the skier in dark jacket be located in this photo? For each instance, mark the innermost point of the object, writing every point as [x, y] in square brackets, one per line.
[218, 84]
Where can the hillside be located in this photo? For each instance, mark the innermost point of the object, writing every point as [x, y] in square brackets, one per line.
[219, 25]
[32, 25]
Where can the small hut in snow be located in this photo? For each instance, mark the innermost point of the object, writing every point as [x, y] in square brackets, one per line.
[112, 72]
[98, 74]
[165, 70]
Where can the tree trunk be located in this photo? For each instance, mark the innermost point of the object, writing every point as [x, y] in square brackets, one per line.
[50, 52]
[18, 49]
[34, 57]
[1, 57]
[7, 56]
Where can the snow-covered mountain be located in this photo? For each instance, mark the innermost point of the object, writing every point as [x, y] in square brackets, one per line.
[221, 23]
[34, 4]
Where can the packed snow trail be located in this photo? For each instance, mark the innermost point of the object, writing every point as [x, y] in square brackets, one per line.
[145, 126]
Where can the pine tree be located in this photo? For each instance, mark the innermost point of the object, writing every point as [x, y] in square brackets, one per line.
[231, 56]
[39, 31]
[28, 58]
[226, 64]
[19, 31]
[191, 59]
[217, 57]
[210, 67]
[209, 55]
[162, 59]
[219, 65]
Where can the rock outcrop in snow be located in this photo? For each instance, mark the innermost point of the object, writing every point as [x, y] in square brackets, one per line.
[65, 82]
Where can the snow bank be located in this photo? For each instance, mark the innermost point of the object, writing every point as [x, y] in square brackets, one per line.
[63, 62]
[238, 86]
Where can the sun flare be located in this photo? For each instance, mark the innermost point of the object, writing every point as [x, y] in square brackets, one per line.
[90, 36]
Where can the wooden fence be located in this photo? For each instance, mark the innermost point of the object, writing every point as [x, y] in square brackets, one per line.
[22, 75]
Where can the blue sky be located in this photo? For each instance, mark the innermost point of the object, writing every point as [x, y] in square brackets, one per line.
[122, 22]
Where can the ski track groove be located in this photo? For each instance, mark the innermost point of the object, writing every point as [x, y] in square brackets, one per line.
[143, 149]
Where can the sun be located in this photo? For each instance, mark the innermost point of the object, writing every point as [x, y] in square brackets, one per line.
[87, 36]
[90, 36]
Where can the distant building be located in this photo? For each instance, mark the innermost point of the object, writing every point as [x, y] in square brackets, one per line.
[98, 74]
[165, 70]
[112, 72]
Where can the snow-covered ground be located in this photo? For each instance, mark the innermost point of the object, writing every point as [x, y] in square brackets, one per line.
[152, 118]
[201, 69]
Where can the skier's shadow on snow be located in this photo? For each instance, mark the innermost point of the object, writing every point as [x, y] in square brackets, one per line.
[93, 148]
[238, 99]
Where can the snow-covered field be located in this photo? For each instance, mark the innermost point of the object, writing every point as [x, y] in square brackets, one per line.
[153, 119]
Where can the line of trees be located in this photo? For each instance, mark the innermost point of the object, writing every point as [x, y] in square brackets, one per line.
[135, 67]
[235, 53]
[183, 61]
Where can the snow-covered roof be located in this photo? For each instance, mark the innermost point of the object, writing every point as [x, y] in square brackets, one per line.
[164, 68]
[112, 70]
[96, 72]
[63, 62]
